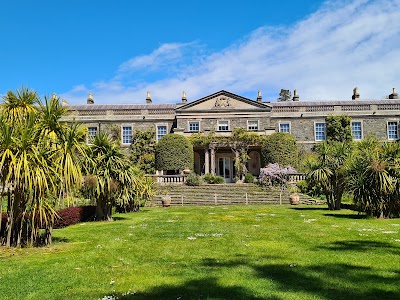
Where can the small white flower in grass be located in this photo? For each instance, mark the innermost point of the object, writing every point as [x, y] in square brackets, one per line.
[131, 226]
[336, 226]
[117, 239]
[389, 232]
[211, 213]
[397, 241]
[99, 246]
[292, 265]
[191, 238]
[170, 221]
[395, 224]
[256, 225]
[272, 215]
[302, 216]
[361, 234]
[112, 281]
[200, 234]
[216, 234]
[309, 220]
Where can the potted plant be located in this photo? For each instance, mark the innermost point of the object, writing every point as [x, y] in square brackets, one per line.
[294, 196]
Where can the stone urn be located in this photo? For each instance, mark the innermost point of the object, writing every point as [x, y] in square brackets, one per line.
[294, 199]
[187, 171]
[166, 201]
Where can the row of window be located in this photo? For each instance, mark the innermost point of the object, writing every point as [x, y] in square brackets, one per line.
[194, 126]
[126, 133]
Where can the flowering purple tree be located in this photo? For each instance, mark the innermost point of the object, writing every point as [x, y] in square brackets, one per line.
[274, 174]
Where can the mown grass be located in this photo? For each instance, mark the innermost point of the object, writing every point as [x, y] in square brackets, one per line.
[232, 252]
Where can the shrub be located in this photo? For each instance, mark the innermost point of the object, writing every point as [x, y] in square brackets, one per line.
[74, 215]
[280, 148]
[193, 180]
[249, 178]
[174, 152]
[213, 179]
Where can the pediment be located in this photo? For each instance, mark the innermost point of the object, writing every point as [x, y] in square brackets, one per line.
[224, 100]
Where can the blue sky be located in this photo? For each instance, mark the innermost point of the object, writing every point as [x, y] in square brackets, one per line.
[120, 49]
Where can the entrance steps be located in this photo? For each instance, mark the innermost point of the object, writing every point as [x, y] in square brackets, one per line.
[225, 194]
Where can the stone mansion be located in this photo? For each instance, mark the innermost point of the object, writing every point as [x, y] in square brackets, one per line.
[223, 111]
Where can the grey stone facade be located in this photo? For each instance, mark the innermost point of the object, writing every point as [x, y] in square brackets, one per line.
[223, 111]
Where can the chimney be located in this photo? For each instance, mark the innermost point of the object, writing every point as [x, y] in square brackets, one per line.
[184, 99]
[394, 94]
[259, 97]
[148, 98]
[356, 94]
[296, 96]
[90, 99]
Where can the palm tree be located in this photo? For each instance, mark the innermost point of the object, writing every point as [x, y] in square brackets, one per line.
[106, 170]
[329, 169]
[373, 178]
[38, 157]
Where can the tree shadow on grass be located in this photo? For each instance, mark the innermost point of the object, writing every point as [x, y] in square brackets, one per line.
[207, 288]
[321, 281]
[347, 216]
[361, 246]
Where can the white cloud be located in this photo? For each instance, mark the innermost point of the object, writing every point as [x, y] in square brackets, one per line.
[342, 45]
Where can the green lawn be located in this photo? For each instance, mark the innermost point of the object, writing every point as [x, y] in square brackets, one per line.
[231, 252]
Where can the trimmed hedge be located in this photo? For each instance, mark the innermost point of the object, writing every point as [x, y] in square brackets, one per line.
[174, 152]
[74, 215]
[280, 148]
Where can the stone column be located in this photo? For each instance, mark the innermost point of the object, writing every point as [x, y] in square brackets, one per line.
[213, 161]
[207, 161]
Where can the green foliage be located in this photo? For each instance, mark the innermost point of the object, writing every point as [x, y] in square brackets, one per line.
[194, 180]
[328, 170]
[143, 150]
[373, 178]
[279, 148]
[213, 179]
[338, 128]
[40, 157]
[249, 178]
[174, 152]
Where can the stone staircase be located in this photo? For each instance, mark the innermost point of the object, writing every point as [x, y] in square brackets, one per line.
[225, 194]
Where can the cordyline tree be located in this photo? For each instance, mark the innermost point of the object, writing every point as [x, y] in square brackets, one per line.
[329, 169]
[374, 178]
[39, 157]
[111, 178]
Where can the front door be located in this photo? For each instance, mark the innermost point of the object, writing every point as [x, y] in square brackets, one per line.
[224, 168]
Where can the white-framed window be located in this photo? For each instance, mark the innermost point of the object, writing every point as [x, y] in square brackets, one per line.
[92, 132]
[223, 125]
[356, 130]
[284, 127]
[161, 131]
[126, 134]
[252, 125]
[194, 126]
[319, 130]
[393, 130]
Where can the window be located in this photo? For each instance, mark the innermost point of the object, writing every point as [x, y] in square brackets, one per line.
[320, 132]
[356, 130]
[194, 126]
[161, 131]
[223, 125]
[92, 131]
[284, 127]
[126, 134]
[392, 130]
[252, 125]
